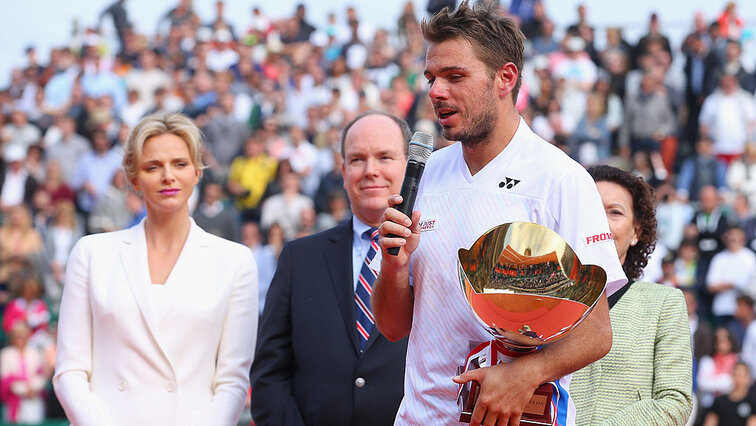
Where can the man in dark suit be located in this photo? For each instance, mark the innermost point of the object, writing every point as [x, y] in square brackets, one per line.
[312, 366]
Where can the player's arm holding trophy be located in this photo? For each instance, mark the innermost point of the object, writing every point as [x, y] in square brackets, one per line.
[506, 389]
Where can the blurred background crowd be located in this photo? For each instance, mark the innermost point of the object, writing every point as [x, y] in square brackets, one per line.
[272, 98]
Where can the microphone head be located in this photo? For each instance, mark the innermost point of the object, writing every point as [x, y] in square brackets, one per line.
[420, 147]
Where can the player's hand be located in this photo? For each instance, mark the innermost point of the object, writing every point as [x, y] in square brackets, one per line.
[398, 230]
[505, 390]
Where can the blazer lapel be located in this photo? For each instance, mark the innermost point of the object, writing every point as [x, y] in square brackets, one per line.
[339, 262]
[136, 270]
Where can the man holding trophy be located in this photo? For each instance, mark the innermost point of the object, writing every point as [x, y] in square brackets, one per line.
[500, 172]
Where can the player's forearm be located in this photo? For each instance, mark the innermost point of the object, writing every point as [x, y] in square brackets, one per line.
[585, 344]
[392, 302]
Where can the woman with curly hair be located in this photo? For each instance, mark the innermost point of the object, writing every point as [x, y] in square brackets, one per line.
[645, 378]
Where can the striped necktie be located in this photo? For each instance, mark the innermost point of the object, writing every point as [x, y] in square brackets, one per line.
[365, 320]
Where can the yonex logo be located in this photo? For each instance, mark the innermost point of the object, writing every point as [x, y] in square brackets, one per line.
[509, 183]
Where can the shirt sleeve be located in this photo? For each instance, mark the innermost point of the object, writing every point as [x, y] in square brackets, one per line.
[579, 216]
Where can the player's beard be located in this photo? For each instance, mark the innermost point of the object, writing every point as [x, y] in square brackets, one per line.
[481, 125]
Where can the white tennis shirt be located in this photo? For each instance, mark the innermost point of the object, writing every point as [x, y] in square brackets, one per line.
[530, 180]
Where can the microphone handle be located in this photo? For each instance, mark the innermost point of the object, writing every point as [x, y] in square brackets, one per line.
[409, 193]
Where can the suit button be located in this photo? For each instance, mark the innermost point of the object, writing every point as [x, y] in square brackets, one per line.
[359, 382]
[170, 387]
[122, 385]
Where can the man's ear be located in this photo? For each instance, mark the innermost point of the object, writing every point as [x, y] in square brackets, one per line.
[506, 78]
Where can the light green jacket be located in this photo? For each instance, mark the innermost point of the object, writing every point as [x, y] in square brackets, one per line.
[646, 377]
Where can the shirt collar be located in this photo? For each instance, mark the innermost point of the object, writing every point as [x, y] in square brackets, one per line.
[359, 227]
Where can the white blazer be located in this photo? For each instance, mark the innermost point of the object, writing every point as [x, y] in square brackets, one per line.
[118, 364]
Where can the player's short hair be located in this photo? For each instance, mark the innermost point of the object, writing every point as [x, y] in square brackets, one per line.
[495, 39]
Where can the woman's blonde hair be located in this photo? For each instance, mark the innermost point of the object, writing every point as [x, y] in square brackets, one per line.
[159, 124]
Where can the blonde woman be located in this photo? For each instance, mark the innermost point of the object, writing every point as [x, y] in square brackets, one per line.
[158, 321]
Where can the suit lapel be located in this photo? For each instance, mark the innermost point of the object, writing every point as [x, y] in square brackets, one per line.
[183, 280]
[136, 270]
[339, 262]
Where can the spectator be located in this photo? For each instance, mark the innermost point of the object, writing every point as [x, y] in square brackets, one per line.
[220, 21]
[686, 264]
[743, 318]
[544, 43]
[113, 210]
[731, 65]
[730, 24]
[23, 377]
[741, 175]
[59, 238]
[120, 21]
[337, 211]
[214, 216]
[16, 185]
[265, 258]
[584, 30]
[703, 169]
[701, 332]
[737, 408]
[654, 35]
[307, 222]
[333, 180]
[710, 223]
[250, 175]
[749, 342]
[303, 157]
[19, 132]
[742, 215]
[225, 137]
[715, 371]
[20, 243]
[69, 149]
[28, 308]
[95, 171]
[591, 141]
[533, 27]
[180, 15]
[648, 120]
[728, 116]
[731, 273]
[579, 74]
[286, 208]
[134, 109]
[672, 215]
[695, 70]
[275, 238]
[54, 185]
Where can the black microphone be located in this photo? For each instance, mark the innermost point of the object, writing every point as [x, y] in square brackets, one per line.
[420, 148]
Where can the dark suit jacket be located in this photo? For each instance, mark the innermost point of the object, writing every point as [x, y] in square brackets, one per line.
[307, 363]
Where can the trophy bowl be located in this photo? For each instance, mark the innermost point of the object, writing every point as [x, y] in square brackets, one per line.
[526, 285]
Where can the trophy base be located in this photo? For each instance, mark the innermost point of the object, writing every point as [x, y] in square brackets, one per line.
[538, 411]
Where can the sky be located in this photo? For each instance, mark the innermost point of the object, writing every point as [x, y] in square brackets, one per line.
[22, 23]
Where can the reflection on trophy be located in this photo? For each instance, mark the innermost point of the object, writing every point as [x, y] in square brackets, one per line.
[528, 288]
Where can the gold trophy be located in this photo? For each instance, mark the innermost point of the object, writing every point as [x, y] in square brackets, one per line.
[528, 288]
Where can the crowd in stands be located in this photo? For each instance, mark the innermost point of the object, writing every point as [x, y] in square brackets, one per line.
[272, 98]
